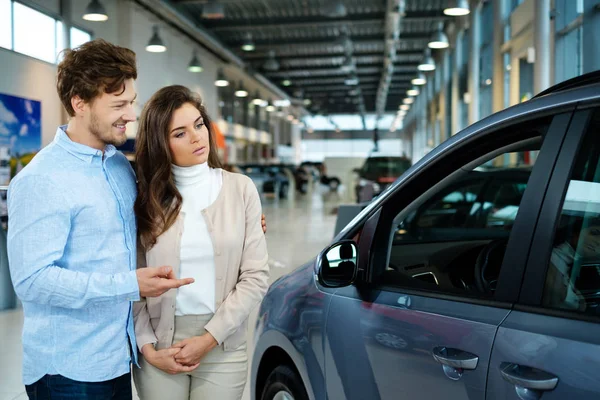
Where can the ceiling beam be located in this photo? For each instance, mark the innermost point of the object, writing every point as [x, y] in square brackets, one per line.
[328, 55]
[316, 21]
[329, 40]
[227, 24]
[399, 85]
[368, 74]
[324, 69]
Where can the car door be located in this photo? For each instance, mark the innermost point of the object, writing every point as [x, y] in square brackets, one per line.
[414, 325]
[549, 346]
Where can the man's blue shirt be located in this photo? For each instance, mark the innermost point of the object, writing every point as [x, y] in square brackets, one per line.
[72, 257]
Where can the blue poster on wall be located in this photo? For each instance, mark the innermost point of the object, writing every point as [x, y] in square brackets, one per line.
[20, 134]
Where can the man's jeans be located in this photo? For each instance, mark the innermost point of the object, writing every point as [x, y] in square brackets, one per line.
[57, 387]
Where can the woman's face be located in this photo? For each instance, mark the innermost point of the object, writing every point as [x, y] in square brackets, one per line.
[188, 137]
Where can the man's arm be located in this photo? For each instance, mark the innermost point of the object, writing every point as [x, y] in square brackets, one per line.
[39, 227]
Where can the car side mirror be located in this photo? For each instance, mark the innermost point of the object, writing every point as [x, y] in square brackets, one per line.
[337, 266]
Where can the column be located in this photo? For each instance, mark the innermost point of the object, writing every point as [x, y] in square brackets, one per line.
[474, 51]
[66, 15]
[455, 98]
[542, 42]
[498, 69]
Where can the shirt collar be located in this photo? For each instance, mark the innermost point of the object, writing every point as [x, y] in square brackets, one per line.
[81, 151]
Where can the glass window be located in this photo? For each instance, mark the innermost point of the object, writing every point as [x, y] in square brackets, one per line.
[573, 278]
[42, 44]
[452, 240]
[79, 37]
[60, 40]
[5, 24]
[507, 68]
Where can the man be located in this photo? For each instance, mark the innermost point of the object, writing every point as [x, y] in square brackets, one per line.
[72, 238]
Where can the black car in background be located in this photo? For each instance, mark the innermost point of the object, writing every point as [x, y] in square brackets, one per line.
[376, 174]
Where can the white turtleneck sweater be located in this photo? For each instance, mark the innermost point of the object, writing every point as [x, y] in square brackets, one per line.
[199, 186]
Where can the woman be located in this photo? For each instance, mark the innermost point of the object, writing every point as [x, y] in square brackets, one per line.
[206, 223]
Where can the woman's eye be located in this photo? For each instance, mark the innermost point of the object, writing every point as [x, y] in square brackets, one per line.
[200, 125]
[179, 135]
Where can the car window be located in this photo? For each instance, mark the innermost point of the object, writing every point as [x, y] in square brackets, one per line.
[455, 207]
[501, 201]
[453, 241]
[573, 277]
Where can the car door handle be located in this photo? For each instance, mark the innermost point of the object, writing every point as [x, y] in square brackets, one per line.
[527, 377]
[455, 358]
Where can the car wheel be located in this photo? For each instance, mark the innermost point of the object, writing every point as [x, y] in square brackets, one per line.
[284, 384]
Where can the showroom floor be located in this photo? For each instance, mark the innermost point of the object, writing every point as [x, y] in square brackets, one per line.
[297, 230]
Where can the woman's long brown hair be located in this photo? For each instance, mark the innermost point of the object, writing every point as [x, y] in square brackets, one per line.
[159, 202]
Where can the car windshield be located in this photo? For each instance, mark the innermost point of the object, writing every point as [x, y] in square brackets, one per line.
[390, 166]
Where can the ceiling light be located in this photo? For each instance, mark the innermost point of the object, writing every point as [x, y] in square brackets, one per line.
[194, 65]
[351, 81]
[270, 107]
[257, 101]
[213, 10]
[221, 81]
[419, 80]
[282, 103]
[95, 11]
[248, 44]
[402, 8]
[307, 102]
[241, 92]
[408, 100]
[458, 8]
[405, 107]
[413, 92]
[156, 45]
[336, 9]
[428, 63]
[348, 64]
[439, 40]
[286, 82]
[271, 64]
[343, 41]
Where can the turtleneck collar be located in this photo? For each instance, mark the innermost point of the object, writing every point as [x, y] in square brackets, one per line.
[190, 175]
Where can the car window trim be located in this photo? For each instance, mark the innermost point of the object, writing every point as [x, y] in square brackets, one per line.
[509, 289]
[522, 233]
[539, 258]
[557, 313]
[441, 296]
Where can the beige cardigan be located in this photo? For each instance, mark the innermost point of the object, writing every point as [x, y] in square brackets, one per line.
[241, 269]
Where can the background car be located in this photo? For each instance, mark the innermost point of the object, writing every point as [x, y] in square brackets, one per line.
[377, 174]
[267, 178]
[470, 278]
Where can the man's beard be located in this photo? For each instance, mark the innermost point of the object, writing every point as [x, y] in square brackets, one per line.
[105, 138]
